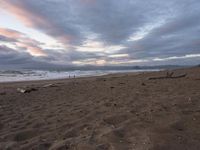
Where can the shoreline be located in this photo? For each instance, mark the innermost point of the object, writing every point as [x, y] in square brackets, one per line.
[79, 77]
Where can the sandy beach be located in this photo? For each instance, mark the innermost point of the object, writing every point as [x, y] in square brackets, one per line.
[112, 112]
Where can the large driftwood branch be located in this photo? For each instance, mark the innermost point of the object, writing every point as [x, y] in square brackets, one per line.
[168, 76]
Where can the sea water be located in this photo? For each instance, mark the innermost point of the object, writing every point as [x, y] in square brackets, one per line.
[31, 75]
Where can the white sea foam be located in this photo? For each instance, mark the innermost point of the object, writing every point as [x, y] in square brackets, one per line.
[29, 75]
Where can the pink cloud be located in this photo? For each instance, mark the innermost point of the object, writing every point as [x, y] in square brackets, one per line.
[10, 33]
[21, 12]
[32, 49]
[22, 41]
[33, 19]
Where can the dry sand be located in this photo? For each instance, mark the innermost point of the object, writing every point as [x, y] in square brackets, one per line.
[115, 112]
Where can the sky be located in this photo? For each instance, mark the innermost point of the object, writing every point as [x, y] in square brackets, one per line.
[53, 33]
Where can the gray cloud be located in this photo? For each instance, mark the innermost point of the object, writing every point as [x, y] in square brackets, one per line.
[177, 36]
[7, 39]
[171, 27]
[12, 59]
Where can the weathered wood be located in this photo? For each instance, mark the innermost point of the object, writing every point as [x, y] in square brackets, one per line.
[168, 77]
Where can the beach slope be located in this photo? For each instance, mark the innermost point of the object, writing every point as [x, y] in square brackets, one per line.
[154, 111]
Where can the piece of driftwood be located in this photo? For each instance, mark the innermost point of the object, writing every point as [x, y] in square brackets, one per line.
[26, 90]
[48, 85]
[169, 76]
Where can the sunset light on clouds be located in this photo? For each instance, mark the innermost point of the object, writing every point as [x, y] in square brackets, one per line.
[99, 32]
[99, 74]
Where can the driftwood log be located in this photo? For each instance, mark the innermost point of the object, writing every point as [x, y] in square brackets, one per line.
[169, 76]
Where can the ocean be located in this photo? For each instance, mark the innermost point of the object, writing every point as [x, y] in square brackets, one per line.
[31, 75]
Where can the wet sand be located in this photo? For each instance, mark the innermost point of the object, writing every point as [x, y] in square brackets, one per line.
[113, 112]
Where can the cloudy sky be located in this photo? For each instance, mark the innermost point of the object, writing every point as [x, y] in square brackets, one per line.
[99, 32]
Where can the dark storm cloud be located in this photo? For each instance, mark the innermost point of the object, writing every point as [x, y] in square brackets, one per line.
[172, 27]
[9, 56]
